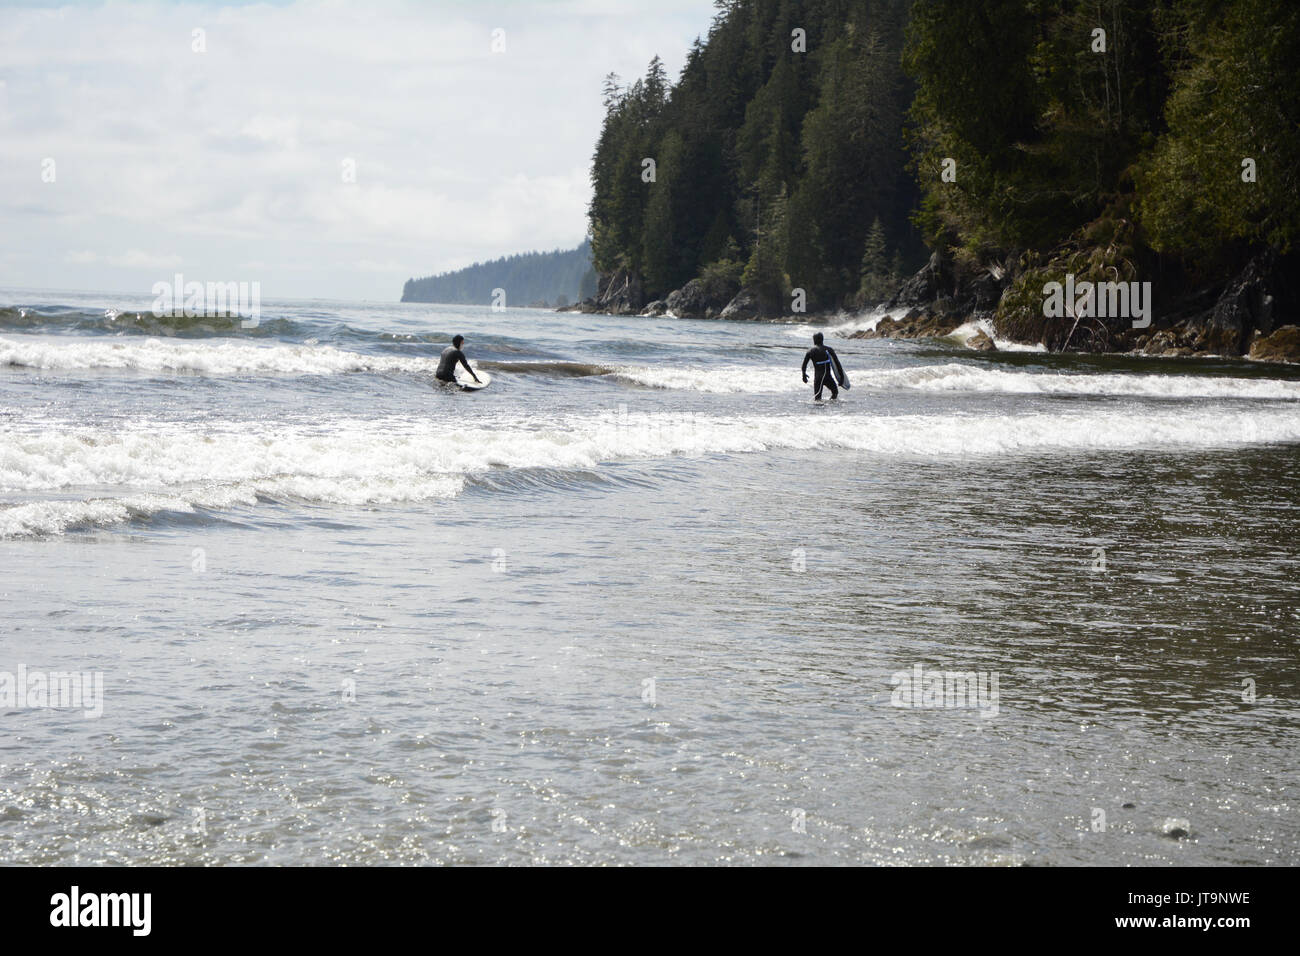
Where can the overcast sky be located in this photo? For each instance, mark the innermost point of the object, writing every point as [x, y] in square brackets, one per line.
[229, 164]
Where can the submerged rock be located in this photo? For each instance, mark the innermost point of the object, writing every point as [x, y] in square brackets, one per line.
[981, 342]
[1175, 828]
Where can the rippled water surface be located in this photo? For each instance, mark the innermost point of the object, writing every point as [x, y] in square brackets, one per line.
[642, 600]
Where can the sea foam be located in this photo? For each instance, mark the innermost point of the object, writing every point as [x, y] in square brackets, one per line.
[138, 472]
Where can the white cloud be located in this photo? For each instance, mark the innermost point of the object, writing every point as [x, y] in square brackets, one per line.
[235, 154]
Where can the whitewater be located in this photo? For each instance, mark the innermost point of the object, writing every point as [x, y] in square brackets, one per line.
[232, 524]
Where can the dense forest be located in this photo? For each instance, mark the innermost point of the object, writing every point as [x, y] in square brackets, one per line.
[778, 156]
[529, 278]
[834, 145]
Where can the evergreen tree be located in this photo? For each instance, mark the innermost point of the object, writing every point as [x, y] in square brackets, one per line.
[1236, 97]
[877, 276]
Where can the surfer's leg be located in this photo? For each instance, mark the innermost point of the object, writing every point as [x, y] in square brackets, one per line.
[830, 383]
[819, 382]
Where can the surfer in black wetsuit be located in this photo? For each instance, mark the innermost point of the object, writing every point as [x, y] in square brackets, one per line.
[447, 361]
[827, 370]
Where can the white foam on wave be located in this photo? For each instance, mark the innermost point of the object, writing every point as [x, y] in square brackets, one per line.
[160, 467]
[967, 330]
[714, 379]
[843, 325]
[203, 358]
[956, 377]
[868, 321]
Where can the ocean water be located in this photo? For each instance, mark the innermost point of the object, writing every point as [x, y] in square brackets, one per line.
[639, 602]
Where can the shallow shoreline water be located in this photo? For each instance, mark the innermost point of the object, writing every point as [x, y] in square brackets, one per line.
[648, 615]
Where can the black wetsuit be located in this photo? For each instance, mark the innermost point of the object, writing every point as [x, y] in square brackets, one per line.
[447, 364]
[823, 370]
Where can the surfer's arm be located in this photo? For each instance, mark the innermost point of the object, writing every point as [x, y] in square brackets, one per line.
[803, 369]
[465, 362]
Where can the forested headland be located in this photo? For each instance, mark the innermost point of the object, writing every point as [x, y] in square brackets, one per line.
[543, 279]
[954, 160]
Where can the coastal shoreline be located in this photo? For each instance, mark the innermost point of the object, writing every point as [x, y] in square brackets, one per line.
[1251, 316]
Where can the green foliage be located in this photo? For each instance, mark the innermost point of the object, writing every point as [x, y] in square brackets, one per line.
[1236, 97]
[724, 274]
[854, 166]
[1063, 118]
[1040, 124]
[765, 270]
[791, 155]
[879, 274]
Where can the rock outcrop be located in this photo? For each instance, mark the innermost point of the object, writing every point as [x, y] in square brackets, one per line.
[1247, 305]
[746, 305]
[1255, 312]
[619, 293]
[700, 299]
[1283, 345]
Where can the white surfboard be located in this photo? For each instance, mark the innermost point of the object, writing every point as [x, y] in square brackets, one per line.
[467, 383]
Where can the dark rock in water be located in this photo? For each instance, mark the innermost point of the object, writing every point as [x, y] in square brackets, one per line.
[698, 300]
[1257, 301]
[1248, 300]
[1174, 341]
[945, 294]
[882, 330]
[1282, 346]
[915, 324]
[586, 305]
[684, 302]
[656, 308]
[746, 305]
[981, 342]
[620, 293]
[1128, 806]
[1175, 828]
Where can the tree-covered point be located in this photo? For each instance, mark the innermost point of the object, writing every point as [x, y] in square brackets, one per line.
[775, 154]
[805, 144]
[555, 278]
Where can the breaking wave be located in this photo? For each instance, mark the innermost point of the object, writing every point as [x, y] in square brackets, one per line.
[199, 358]
[957, 377]
[140, 472]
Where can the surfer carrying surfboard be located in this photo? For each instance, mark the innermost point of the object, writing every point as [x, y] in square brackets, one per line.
[827, 370]
[447, 362]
